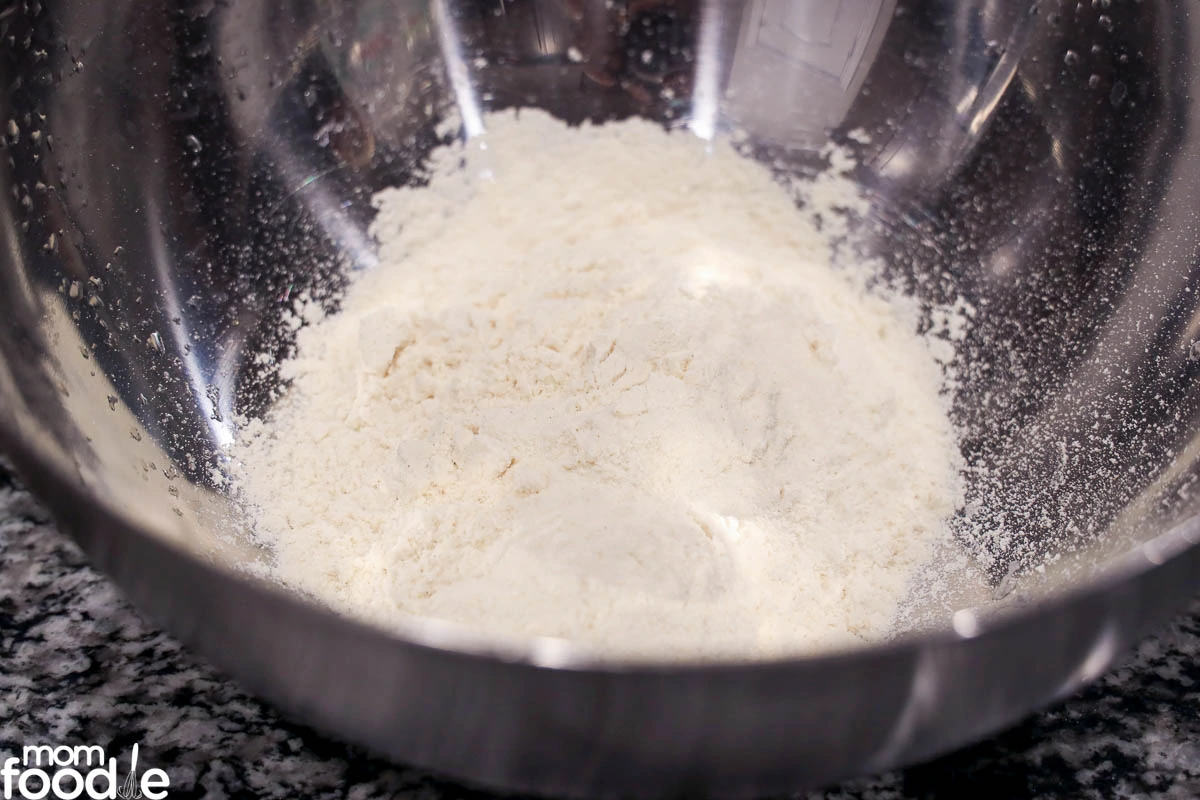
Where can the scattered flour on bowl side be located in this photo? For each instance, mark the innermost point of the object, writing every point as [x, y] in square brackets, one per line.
[605, 385]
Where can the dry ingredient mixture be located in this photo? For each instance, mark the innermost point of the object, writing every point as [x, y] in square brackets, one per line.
[606, 385]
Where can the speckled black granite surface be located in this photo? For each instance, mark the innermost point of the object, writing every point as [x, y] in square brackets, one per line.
[78, 666]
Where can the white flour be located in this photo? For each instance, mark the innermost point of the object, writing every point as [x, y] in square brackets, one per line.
[606, 386]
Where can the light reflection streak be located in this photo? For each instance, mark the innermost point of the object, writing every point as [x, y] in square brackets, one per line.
[706, 97]
[181, 334]
[456, 70]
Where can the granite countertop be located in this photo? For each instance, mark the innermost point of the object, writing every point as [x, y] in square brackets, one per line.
[80, 666]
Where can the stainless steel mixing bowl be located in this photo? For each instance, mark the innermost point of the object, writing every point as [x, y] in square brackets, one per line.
[176, 173]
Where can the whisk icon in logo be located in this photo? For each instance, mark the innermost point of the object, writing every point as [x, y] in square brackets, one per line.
[129, 789]
[45, 772]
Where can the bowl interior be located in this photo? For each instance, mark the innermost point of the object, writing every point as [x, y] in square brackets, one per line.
[180, 179]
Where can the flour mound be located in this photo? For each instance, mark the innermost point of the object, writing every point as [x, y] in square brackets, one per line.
[605, 385]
